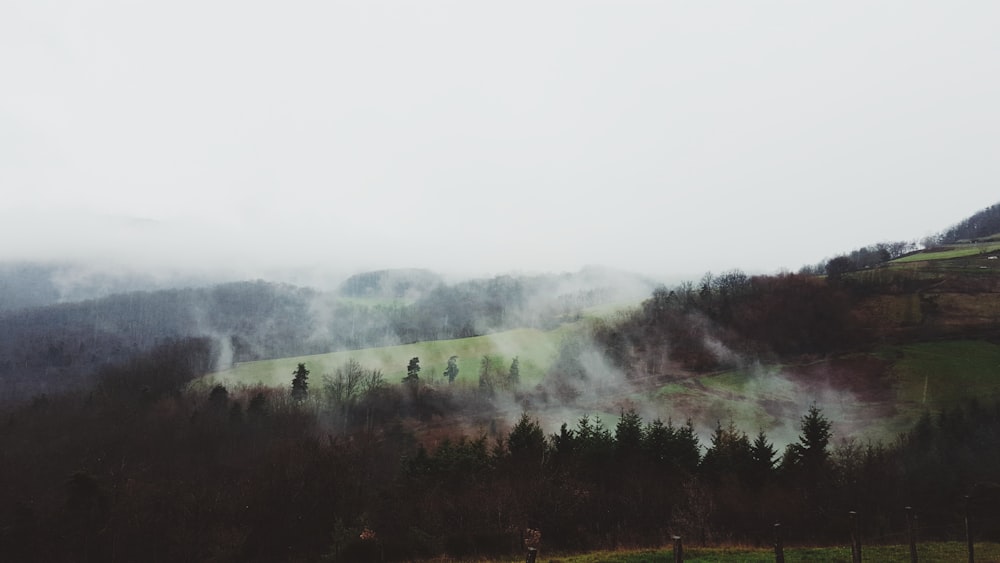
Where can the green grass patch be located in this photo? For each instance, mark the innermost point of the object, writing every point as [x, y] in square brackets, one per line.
[932, 375]
[962, 251]
[609, 310]
[535, 350]
[670, 389]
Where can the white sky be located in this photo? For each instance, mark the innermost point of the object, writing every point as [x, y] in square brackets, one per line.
[662, 137]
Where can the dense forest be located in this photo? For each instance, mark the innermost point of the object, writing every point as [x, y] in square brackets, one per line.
[145, 467]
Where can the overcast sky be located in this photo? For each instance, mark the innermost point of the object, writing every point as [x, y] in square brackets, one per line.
[663, 137]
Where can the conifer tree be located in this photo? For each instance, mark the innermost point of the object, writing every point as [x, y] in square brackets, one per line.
[514, 375]
[451, 372]
[300, 383]
[412, 371]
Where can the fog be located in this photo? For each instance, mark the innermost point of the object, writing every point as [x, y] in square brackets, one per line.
[316, 140]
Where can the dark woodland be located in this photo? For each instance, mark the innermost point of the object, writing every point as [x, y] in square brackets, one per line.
[139, 469]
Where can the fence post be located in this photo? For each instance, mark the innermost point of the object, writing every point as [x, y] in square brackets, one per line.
[968, 529]
[855, 538]
[779, 549]
[911, 532]
[532, 554]
[678, 550]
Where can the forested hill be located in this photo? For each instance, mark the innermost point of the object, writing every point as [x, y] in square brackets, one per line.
[981, 225]
[25, 284]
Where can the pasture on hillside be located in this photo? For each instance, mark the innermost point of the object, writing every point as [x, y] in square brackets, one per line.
[950, 252]
[535, 350]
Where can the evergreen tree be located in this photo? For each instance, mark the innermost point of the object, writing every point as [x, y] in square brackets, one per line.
[300, 383]
[628, 435]
[412, 371]
[762, 455]
[451, 372]
[218, 397]
[687, 447]
[729, 452]
[811, 451]
[514, 375]
[526, 441]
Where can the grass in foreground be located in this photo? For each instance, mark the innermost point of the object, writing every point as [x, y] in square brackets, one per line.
[926, 552]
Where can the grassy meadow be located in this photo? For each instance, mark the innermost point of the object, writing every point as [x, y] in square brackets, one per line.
[930, 376]
[957, 251]
[534, 348]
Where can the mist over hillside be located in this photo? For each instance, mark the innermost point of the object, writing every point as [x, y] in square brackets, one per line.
[50, 341]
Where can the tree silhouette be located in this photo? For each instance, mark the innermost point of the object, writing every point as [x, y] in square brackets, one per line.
[514, 375]
[451, 372]
[412, 371]
[300, 383]
[812, 450]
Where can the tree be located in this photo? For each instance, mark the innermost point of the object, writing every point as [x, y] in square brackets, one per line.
[628, 436]
[490, 374]
[343, 390]
[451, 372]
[762, 453]
[300, 383]
[412, 371]
[218, 397]
[526, 441]
[838, 267]
[729, 453]
[514, 375]
[814, 439]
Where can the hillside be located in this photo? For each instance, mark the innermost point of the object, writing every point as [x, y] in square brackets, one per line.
[752, 349]
[535, 349]
[979, 226]
[45, 346]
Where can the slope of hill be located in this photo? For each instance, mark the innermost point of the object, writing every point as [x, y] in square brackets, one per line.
[535, 350]
[979, 226]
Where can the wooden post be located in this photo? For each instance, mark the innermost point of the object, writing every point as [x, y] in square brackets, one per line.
[911, 531]
[678, 550]
[855, 538]
[532, 554]
[779, 548]
[968, 530]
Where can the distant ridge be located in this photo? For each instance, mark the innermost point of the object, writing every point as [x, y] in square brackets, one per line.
[402, 283]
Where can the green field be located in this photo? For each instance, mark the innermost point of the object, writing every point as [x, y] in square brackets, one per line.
[958, 251]
[535, 350]
[932, 375]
